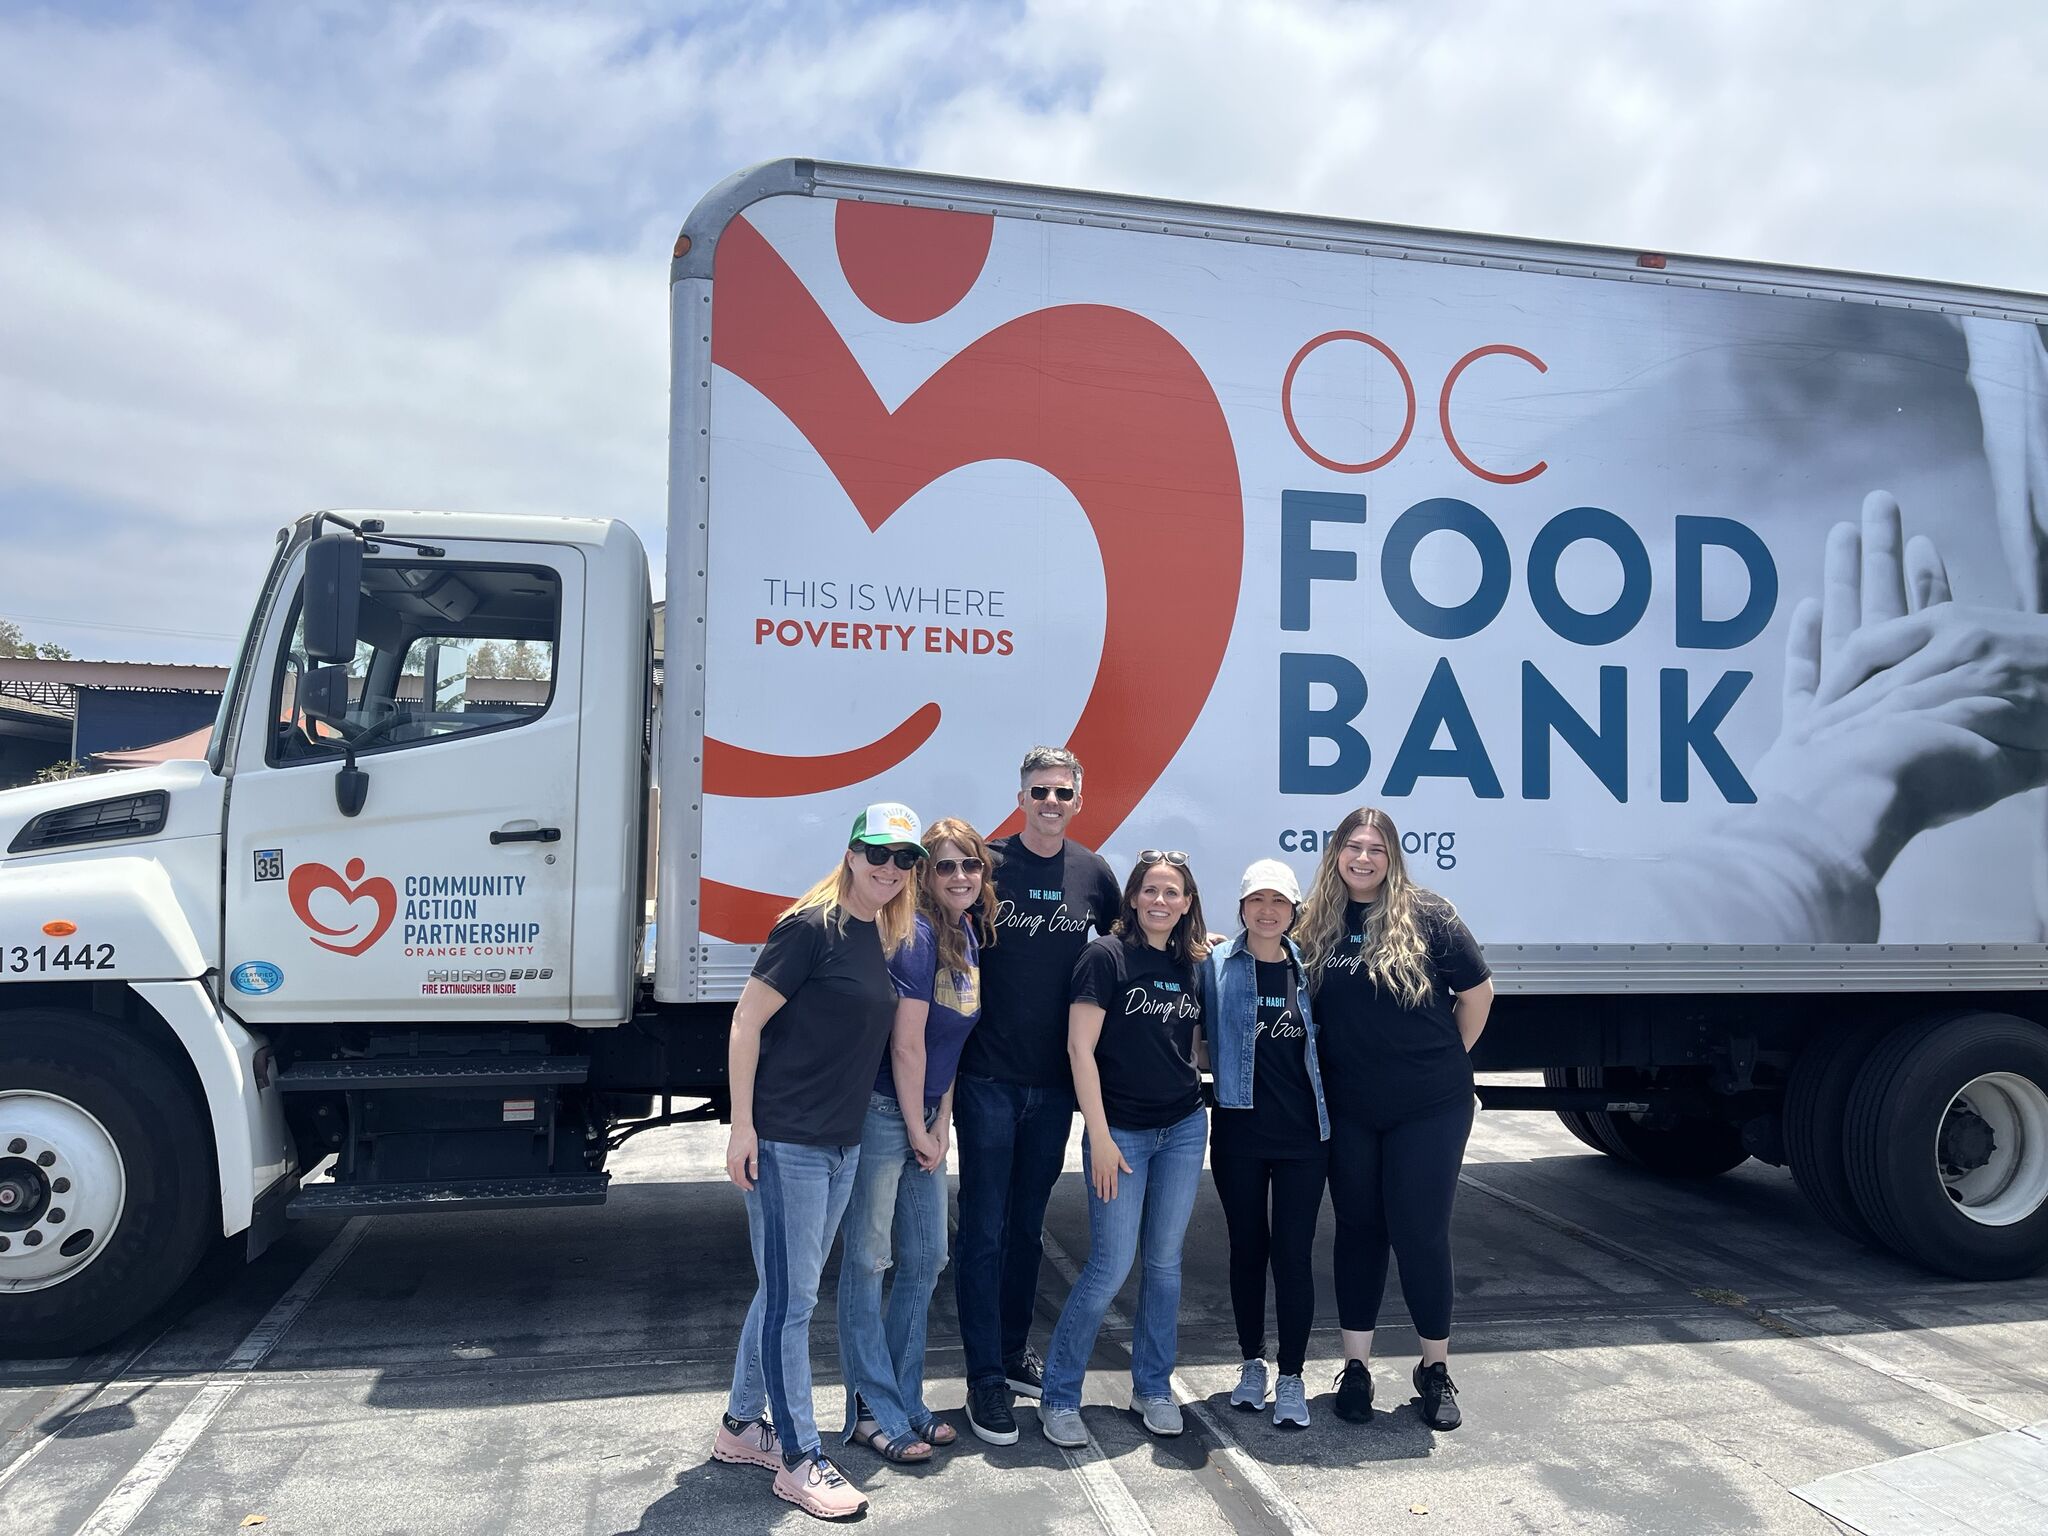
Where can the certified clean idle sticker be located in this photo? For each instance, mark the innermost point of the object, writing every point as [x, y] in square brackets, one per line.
[256, 977]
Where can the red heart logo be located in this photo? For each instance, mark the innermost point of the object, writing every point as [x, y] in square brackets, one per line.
[1102, 399]
[309, 878]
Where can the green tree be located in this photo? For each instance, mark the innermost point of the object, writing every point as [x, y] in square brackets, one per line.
[14, 643]
[519, 659]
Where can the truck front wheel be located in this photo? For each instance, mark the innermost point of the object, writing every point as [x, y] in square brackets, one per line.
[1947, 1144]
[106, 1181]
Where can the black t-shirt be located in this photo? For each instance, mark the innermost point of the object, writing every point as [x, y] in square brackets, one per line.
[1382, 1061]
[1146, 1054]
[821, 1050]
[1282, 1120]
[1044, 909]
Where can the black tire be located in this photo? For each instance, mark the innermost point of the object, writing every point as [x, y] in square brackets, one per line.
[1574, 1119]
[1677, 1147]
[1895, 1123]
[1816, 1104]
[172, 1208]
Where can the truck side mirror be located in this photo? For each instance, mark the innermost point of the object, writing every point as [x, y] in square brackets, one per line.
[333, 595]
[323, 695]
[323, 698]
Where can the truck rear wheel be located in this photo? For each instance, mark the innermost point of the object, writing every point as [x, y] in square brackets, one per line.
[1574, 1120]
[1678, 1146]
[1947, 1144]
[1816, 1104]
[106, 1181]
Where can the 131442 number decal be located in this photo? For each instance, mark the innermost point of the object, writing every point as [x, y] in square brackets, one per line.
[18, 958]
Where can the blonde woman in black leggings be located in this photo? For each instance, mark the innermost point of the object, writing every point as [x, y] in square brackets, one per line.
[1401, 993]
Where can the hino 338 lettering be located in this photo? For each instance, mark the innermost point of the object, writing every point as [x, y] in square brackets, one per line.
[1687, 615]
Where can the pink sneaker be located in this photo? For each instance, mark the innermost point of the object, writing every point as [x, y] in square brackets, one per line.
[751, 1445]
[814, 1486]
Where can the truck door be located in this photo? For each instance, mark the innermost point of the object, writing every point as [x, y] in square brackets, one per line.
[448, 895]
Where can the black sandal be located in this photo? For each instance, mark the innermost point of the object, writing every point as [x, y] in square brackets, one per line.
[936, 1432]
[899, 1450]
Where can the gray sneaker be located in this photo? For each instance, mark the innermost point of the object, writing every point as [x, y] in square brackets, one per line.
[1161, 1414]
[1250, 1391]
[1062, 1426]
[1290, 1403]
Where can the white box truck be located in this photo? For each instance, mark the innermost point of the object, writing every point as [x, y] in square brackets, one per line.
[1687, 615]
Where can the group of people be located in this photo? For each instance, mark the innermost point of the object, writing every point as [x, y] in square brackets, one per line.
[934, 984]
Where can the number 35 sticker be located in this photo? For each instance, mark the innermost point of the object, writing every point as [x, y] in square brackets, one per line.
[43, 958]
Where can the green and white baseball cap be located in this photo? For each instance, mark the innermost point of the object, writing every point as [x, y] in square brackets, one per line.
[886, 824]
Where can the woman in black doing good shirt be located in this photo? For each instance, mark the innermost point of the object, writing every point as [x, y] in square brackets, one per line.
[808, 1035]
[1401, 993]
[1269, 1133]
[1133, 1038]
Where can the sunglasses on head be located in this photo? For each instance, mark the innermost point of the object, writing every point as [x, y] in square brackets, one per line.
[877, 855]
[944, 867]
[1171, 856]
[1060, 792]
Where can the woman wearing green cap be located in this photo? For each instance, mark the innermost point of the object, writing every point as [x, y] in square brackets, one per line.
[1268, 1138]
[808, 1036]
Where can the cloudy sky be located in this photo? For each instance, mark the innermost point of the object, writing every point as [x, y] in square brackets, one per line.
[258, 259]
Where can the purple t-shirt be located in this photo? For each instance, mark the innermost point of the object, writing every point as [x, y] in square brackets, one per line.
[955, 997]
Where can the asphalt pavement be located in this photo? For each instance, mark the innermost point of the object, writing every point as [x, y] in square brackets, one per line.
[1633, 1355]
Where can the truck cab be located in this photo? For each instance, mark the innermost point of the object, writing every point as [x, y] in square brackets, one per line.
[376, 921]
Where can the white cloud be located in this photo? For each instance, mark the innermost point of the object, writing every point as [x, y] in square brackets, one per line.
[337, 254]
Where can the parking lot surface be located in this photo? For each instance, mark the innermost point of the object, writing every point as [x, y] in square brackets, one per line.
[1633, 1356]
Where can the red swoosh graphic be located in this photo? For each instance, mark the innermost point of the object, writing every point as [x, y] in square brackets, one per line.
[740, 771]
[1104, 400]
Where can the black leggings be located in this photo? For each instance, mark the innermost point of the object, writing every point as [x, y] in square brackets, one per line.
[1394, 1186]
[1287, 1241]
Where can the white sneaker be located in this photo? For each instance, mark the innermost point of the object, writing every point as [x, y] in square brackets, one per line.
[1250, 1391]
[1290, 1403]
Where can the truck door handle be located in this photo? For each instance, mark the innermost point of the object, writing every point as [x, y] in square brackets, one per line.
[532, 835]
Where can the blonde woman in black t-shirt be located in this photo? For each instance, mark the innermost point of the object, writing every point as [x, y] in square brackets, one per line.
[808, 1036]
[1401, 993]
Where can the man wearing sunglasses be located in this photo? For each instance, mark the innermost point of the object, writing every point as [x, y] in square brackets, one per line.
[1013, 1107]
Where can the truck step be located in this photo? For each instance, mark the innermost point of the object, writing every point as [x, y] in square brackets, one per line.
[434, 1072]
[449, 1195]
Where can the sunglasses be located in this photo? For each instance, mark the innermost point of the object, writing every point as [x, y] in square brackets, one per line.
[1060, 792]
[1171, 856]
[904, 858]
[944, 867]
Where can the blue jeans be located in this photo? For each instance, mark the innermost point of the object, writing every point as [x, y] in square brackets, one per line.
[793, 1211]
[897, 1216]
[1148, 1217]
[1013, 1143]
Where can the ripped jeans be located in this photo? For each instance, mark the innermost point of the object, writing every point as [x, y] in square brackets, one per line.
[896, 1219]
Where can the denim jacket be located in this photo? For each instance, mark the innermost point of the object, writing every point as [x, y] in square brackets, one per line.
[1230, 1014]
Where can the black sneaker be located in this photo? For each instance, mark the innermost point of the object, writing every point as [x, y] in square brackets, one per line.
[988, 1413]
[1026, 1374]
[1354, 1393]
[1439, 1405]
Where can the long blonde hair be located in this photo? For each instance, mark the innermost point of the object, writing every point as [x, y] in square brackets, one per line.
[945, 927]
[895, 924]
[1396, 951]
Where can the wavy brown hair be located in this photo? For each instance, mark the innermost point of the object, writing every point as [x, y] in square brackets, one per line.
[1396, 949]
[1188, 944]
[952, 943]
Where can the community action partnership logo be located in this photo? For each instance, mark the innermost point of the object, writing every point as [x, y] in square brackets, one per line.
[1104, 400]
[444, 915]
